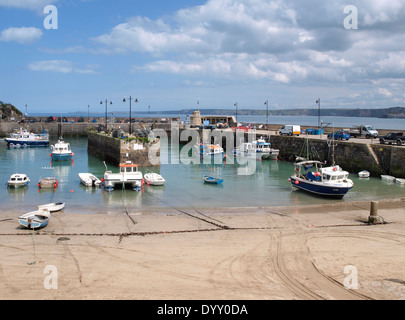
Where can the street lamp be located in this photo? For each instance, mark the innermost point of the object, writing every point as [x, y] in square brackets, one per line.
[267, 111]
[319, 115]
[106, 112]
[130, 112]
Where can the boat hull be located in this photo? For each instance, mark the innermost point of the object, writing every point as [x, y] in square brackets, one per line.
[35, 220]
[337, 192]
[212, 180]
[89, 180]
[154, 179]
[15, 143]
[61, 157]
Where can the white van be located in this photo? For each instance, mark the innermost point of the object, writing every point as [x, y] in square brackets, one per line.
[290, 130]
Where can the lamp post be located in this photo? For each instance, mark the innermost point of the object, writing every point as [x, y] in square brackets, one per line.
[267, 112]
[319, 115]
[106, 112]
[130, 111]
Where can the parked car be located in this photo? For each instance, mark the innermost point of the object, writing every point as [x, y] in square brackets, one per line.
[339, 135]
[393, 137]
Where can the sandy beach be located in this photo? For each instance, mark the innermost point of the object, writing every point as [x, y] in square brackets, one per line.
[266, 253]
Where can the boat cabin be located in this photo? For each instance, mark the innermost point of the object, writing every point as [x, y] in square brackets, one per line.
[128, 168]
[314, 171]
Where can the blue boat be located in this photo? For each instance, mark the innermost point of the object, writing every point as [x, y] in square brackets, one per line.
[24, 138]
[330, 182]
[35, 220]
[212, 180]
[61, 151]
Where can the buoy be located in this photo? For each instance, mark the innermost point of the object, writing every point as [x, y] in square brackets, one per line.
[71, 191]
[297, 182]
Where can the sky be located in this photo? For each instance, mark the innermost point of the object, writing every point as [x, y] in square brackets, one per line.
[69, 55]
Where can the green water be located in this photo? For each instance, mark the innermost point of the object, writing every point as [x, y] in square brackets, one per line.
[184, 187]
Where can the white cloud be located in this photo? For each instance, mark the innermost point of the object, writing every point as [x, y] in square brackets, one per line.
[385, 92]
[288, 42]
[21, 35]
[61, 66]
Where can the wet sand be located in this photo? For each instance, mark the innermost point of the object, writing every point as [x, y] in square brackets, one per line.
[267, 253]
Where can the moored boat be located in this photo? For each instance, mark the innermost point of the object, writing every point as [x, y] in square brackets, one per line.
[400, 181]
[48, 183]
[259, 150]
[18, 180]
[128, 175]
[52, 207]
[89, 180]
[212, 150]
[24, 138]
[154, 179]
[364, 174]
[388, 178]
[312, 177]
[35, 220]
[61, 151]
[212, 180]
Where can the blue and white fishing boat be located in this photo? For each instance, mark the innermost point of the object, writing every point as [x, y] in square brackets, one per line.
[259, 150]
[35, 220]
[331, 181]
[24, 138]
[61, 151]
[212, 150]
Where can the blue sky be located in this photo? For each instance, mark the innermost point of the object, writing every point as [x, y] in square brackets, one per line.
[171, 54]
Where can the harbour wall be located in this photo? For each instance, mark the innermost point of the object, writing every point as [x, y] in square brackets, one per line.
[116, 151]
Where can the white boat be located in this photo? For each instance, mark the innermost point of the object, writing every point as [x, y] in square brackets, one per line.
[24, 138]
[61, 151]
[331, 181]
[35, 220]
[89, 180]
[388, 178]
[52, 207]
[128, 175]
[364, 174]
[259, 150]
[154, 179]
[400, 180]
[18, 180]
[212, 150]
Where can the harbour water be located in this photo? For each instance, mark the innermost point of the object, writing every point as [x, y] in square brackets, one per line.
[184, 188]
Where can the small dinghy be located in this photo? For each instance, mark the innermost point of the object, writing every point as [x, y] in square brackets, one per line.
[388, 178]
[364, 174]
[89, 180]
[154, 179]
[48, 183]
[35, 220]
[52, 207]
[400, 181]
[212, 180]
